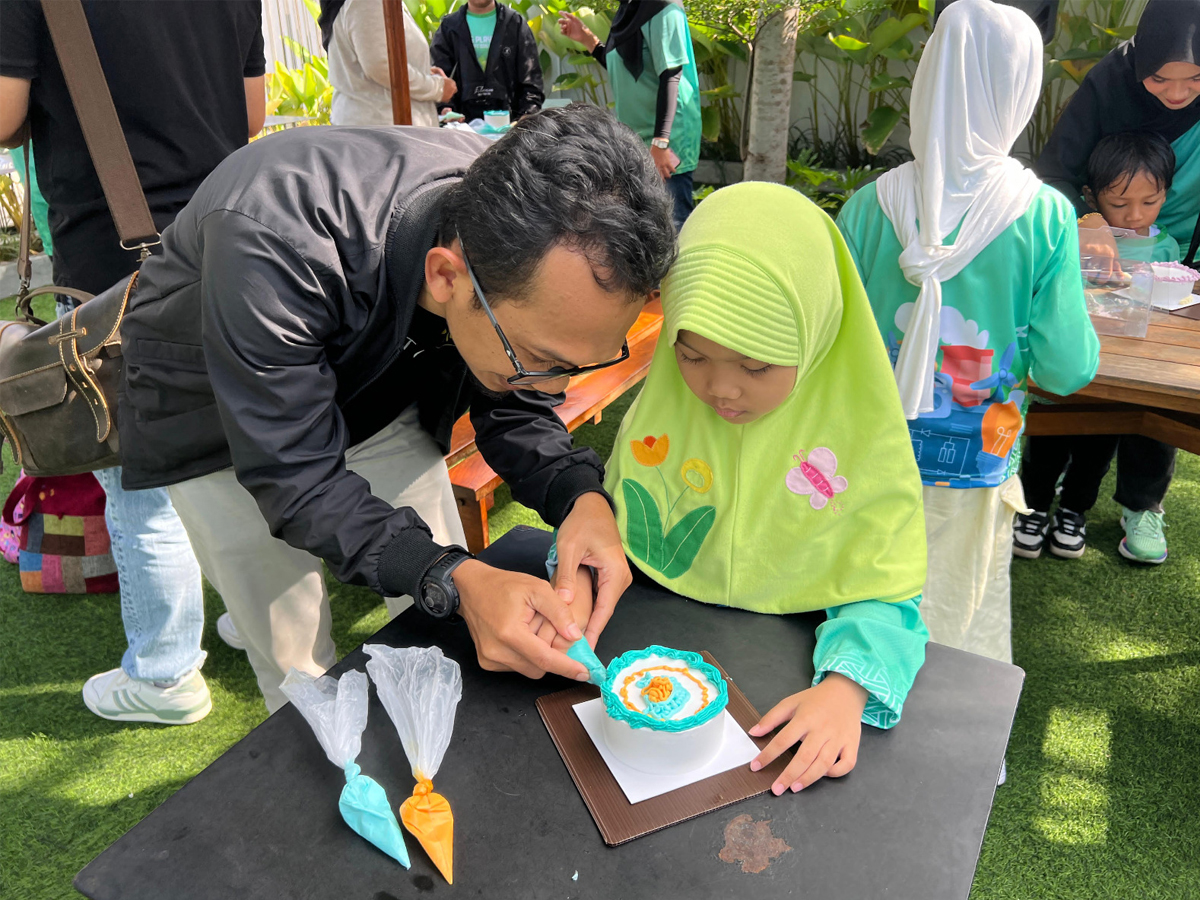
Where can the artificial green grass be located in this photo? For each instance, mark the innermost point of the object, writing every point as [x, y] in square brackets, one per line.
[1103, 793]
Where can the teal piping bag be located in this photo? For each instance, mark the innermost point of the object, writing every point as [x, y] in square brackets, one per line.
[581, 651]
[337, 711]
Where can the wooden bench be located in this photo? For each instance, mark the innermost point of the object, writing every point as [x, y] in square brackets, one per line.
[587, 396]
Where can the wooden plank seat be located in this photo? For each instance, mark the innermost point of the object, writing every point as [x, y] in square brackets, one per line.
[587, 396]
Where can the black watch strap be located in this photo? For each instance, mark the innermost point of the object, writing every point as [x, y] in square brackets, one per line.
[437, 594]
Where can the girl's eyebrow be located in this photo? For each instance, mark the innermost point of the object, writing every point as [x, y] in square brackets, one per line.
[680, 340]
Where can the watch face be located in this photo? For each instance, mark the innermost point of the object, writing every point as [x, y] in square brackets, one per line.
[437, 601]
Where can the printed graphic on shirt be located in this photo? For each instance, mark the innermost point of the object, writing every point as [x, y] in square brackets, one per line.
[968, 438]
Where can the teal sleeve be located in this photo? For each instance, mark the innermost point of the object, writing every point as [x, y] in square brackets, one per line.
[878, 645]
[669, 40]
[848, 224]
[1166, 249]
[41, 209]
[1063, 346]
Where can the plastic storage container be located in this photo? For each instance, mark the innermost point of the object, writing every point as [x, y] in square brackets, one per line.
[1118, 298]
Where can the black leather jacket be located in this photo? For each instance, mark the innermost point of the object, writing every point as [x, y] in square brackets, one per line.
[513, 79]
[285, 288]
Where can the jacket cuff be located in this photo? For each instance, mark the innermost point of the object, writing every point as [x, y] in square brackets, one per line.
[569, 486]
[405, 560]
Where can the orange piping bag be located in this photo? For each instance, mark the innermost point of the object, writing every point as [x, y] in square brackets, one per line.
[428, 818]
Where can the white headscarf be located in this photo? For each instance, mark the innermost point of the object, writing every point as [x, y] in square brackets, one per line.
[975, 90]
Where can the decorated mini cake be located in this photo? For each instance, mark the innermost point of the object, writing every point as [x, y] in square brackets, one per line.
[664, 710]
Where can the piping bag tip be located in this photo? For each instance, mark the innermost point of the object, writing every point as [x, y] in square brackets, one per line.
[581, 651]
[428, 818]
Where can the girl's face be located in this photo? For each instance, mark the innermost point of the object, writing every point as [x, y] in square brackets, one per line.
[1175, 85]
[738, 388]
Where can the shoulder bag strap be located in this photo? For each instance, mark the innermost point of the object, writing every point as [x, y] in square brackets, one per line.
[98, 119]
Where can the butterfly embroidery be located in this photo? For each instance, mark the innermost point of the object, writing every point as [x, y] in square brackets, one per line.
[816, 478]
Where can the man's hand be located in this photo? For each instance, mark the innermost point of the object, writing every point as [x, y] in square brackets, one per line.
[581, 610]
[664, 160]
[589, 537]
[573, 28]
[826, 720]
[501, 608]
[449, 88]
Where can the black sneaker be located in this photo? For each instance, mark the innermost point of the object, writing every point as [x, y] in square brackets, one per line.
[1068, 537]
[1029, 534]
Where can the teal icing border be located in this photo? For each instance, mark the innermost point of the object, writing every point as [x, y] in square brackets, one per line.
[634, 719]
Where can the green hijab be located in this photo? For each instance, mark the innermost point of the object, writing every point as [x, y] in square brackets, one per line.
[817, 503]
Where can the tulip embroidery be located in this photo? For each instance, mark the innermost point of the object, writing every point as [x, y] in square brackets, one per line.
[669, 549]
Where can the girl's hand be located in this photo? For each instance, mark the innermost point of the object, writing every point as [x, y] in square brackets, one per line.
[1096, 240]
[826, 720]
[572, 28]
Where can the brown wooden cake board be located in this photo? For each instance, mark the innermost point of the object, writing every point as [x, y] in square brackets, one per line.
[618, 819]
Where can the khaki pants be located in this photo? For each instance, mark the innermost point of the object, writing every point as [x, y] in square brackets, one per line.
[276, 593]
[968, 592]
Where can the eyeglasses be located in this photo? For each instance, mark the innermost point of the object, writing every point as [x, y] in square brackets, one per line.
[524, 376]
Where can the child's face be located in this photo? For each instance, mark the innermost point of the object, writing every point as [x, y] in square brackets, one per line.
[739, 389]
[1133, 206]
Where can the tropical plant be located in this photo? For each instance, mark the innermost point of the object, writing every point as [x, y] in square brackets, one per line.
[304, 92]
[578, 70]
[1084, 37]
[428, 14]
[856, 99]
[828, 188]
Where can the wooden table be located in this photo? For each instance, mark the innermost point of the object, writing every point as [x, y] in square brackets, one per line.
[261, 822]
[1148, 386]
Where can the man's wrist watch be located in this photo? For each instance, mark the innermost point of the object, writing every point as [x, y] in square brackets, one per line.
[437, 594]
[661, 143]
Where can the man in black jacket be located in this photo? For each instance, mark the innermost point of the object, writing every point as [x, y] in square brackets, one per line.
[497, 69]
[325, 308]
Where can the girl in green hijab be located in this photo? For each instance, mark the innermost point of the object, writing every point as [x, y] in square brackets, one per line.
[766, 464]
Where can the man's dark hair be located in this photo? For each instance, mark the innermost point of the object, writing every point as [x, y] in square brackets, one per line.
[572, 177]
[1118, 157]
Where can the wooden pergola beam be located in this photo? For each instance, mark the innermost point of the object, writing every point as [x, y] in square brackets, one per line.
[393, 18]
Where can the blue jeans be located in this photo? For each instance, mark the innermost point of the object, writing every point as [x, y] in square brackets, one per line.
[679, 186]
[162, 602]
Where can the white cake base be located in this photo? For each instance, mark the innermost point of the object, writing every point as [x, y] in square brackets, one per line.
[664, 752]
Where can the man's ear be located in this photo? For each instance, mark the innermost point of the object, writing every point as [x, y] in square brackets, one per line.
[1090, 197]
[443, 270]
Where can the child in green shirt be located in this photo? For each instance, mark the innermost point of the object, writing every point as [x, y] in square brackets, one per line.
[972, 269]
[1128, 177]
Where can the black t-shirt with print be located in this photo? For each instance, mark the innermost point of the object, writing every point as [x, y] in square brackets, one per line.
[175, 71]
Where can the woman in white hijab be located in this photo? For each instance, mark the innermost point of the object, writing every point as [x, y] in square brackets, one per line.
[972, 269]
[358, 66]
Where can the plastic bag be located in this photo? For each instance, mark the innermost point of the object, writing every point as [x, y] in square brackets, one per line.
[337, 711]
[420, 690]
[581, 651]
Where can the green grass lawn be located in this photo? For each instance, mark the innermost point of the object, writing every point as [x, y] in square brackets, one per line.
[1103, 793]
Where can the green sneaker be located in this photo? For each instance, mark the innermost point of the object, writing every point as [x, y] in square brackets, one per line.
[114, 695]
[1143, 541]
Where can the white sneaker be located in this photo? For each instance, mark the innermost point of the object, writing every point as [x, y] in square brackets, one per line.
[114, 695]
[228, 632]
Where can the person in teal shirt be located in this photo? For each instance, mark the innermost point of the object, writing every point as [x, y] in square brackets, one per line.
[41, 210]
[1151, 85]
[972, 269]
[656, 90]
[1129, 178]
[490, 51]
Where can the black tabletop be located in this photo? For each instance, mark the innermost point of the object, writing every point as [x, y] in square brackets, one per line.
[262, 820]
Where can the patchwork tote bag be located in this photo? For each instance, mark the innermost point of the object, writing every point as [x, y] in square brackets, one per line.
[63, 545]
